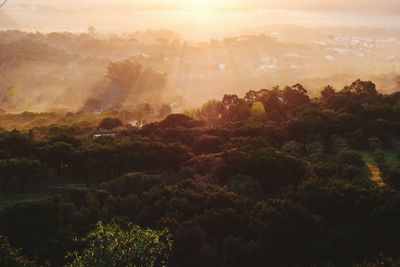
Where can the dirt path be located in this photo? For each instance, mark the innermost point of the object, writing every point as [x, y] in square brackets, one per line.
[376, 175]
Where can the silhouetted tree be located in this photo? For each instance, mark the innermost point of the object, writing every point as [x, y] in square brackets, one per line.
[125, 74]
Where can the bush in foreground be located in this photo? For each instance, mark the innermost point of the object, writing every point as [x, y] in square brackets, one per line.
[112, 245]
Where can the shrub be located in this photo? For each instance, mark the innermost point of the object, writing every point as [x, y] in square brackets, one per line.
[112, 245]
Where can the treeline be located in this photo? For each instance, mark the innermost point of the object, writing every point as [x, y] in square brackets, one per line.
[271, 179]
[90, 59]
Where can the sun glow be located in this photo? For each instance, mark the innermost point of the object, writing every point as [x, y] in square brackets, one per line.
[199, 5]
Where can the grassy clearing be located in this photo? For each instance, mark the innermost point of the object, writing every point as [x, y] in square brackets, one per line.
[390, 156]
[367, 156]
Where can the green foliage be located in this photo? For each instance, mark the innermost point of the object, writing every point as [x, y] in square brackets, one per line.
[207, 144]
[133, 183]
[245, 185]
[111, 245]
[110, 123]
[271, 168]
[367, 156]
[11, 257]
[375, 143]
[18, 220]
[286, 188]
[350, 157]
[380, 261]
[258, 108]
[16, 175]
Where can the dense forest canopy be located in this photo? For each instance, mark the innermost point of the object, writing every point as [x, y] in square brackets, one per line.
[274, 178]
[199, 133]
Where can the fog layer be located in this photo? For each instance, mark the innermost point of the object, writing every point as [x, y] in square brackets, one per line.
[205, 51]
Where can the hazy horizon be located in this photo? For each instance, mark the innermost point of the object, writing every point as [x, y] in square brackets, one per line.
[195, 19]
[357, 5]
[272, 43]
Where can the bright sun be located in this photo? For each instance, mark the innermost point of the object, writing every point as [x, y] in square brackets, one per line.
[199, 5]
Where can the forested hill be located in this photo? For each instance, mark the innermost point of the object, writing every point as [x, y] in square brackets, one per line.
[271, 179]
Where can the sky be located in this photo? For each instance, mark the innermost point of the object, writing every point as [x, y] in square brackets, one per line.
[199, 19]
[352, 5]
